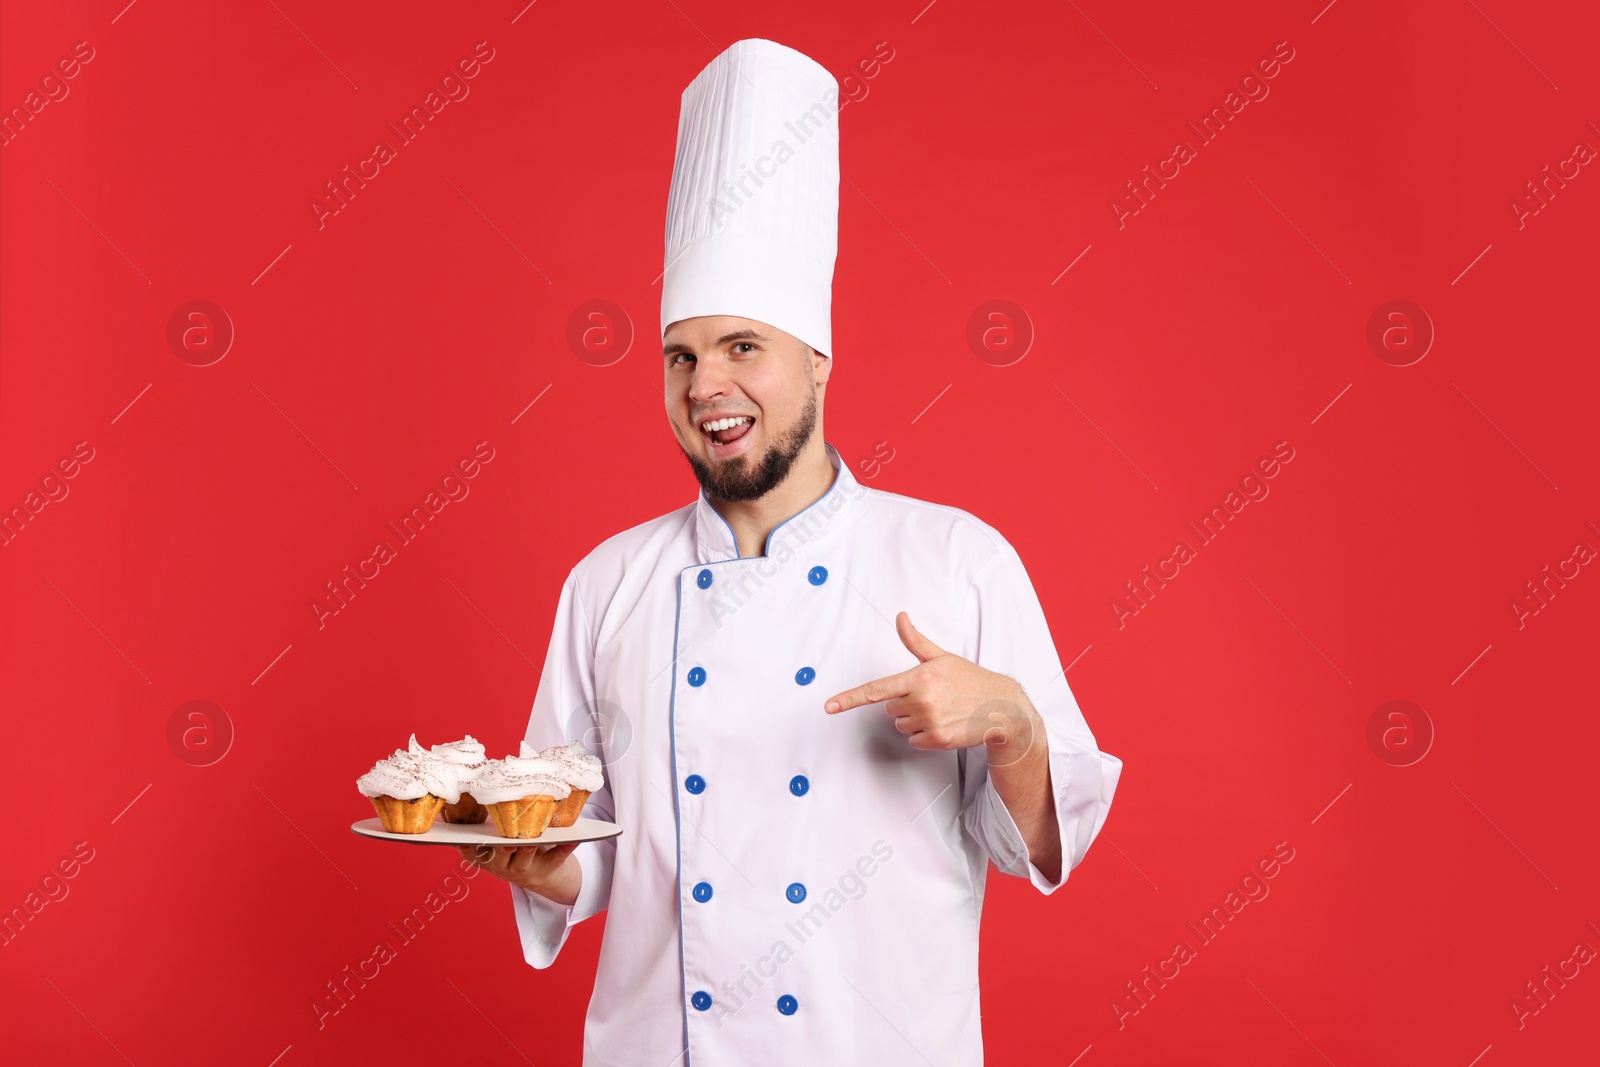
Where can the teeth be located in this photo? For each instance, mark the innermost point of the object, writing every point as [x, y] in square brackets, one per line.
[724, 424]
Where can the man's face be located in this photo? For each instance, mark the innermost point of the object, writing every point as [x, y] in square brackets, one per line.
[720, 368]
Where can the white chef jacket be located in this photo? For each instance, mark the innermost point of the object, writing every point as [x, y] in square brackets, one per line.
[792, 886]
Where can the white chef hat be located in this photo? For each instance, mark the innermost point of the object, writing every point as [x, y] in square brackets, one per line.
[753, 212]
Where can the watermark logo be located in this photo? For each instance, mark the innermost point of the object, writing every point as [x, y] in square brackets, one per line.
[1253, 488]
[999, 332]
[872, 466]
[53, 889]
[1550, 581]
[452, 489]
[735, 193]
[1542, 190]
[599, 332]
[1399, 733]
[342, 989]
[785, 557]
[52, 489]
[603, 727]
[1003, 729]
[52, 90]
[823, 904]
[1400, 333]
[199, 333]
[1138, 992]
[1253, 88]
[199, 733]
[1551, 980]
[454, 87]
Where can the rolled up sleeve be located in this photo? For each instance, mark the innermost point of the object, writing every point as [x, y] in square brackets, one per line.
[1005, 631]
[543, 924]
[565, 710]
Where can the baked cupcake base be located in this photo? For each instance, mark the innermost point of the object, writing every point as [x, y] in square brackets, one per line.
[407, 816]
[467, 810]
[526, 817]
[567, 809]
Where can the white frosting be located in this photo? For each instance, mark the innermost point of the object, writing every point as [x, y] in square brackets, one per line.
[456, 761]
[467, 752]
[502, 780]
[532, 761]
[578, 768]
[408, 776]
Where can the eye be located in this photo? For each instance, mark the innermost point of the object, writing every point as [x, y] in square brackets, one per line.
[745, 344]
[677, 355]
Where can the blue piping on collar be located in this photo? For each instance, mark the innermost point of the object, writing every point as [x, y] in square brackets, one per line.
[766, 548]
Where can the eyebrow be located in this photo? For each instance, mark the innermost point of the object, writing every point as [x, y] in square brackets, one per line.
[746, 334]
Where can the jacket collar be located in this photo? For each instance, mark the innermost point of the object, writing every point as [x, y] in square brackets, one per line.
[826, 517]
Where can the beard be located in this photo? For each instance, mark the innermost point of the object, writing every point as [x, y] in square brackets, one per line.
[747, 478]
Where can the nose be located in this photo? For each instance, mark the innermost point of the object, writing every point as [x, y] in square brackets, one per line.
[709, 381]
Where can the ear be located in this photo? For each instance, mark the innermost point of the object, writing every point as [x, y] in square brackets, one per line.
[821, 365]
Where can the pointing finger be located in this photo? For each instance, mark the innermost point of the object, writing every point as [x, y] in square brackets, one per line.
[895, 685]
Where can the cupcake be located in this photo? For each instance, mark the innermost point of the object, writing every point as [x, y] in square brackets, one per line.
[579, 770]
[407, 791]
[465, 758]
[521, 794]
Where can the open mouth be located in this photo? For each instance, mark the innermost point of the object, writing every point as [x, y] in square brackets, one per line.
[726, 433]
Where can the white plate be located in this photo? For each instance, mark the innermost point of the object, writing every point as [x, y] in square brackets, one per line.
[486, 833]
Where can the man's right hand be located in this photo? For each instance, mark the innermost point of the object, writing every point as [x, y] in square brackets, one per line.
[541, 869]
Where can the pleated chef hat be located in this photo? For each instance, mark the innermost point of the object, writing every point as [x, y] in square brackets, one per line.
[753, 211]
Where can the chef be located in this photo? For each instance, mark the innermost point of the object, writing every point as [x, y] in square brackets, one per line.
[822, 709]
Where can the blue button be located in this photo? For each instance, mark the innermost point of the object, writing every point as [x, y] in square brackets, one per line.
[788, 1005]
[697, 676]
[695, 784]
[804, 675]
[703, 579]
[702, 1000]
[799, 784]
[818, 575]
[796, 892]
[702, 891]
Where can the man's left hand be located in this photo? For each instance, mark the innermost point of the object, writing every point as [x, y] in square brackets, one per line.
[946, 702]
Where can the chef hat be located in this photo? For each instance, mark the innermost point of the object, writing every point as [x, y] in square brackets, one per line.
[753, 212]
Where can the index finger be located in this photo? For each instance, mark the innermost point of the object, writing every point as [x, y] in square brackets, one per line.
[895, 685]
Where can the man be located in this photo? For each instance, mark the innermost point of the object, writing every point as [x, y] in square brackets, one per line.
[822, 708]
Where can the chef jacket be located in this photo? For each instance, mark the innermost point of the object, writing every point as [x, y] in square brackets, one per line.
[791, 886]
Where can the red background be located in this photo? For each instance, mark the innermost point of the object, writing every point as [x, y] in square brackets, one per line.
[374, 352]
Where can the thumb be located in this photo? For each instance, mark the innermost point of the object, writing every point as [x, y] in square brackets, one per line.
[912, 638]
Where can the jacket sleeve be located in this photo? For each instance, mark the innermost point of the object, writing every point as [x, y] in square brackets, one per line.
[565, 710]
[1005, 631]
